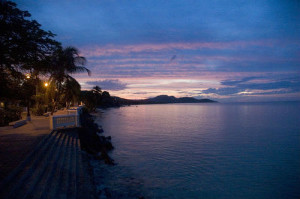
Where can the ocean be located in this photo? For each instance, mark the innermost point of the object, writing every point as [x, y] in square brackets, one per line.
[202, 151]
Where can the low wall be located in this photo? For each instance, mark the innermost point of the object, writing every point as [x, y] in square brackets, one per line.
[75, 110]
[64, 121]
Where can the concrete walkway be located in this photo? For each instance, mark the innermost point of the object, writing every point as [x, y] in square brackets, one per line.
[38, 163]
[55, 168]
[16, 143]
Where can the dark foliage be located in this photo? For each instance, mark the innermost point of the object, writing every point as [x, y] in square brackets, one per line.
[95, 98]
[9, 114]
[26, 48]
[23, 44]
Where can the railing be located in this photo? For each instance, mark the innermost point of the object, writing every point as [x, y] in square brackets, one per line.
[64, 121]
[74, 110]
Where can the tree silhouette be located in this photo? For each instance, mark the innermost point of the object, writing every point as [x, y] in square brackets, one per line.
[26, 48]
[71, 91]
[65, 61]
[23, 44]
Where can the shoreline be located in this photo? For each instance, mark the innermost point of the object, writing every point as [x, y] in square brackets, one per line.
[106, 177]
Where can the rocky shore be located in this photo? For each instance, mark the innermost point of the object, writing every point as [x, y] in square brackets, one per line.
[92, 141]
[97, 147]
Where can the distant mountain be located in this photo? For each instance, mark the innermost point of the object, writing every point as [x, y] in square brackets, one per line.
[162, 99]
[165, 99]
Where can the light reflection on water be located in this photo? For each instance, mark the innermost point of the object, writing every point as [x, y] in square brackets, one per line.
[203, 151]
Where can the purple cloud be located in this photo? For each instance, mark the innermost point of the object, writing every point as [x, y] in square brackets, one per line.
[270, 87]
[109, 84]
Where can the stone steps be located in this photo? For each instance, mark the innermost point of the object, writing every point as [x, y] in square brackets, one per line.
[42, 186]
[56, 169]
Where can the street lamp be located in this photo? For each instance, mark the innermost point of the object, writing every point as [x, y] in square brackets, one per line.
[46, 84]
[28, 103]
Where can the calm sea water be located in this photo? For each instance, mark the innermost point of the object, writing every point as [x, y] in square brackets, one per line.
[202, 151]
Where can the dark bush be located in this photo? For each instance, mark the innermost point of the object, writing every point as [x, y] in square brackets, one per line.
[39, 110]
[10, 114]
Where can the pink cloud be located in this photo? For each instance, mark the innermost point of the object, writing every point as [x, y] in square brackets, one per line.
[108, 50]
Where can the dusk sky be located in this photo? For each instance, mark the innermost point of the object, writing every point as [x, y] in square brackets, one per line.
[223, 50]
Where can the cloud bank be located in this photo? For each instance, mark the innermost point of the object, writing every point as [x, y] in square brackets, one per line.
[219, 48]
[245, 87]
[108, 84]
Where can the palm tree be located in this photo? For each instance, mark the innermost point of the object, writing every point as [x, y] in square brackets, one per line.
[97, 90]
[65, 62]
[71, 91]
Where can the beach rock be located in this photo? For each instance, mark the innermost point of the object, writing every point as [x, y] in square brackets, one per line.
[92, 142]
[101, 192]
[100, 130]
[106, 158]
[98, 156]
[107, 193]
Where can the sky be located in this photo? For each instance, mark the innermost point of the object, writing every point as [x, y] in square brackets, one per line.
[223, 50]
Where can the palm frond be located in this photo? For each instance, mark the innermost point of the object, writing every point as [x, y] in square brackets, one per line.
[79, 69]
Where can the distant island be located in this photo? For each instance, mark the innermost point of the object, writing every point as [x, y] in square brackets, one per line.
[161, 99]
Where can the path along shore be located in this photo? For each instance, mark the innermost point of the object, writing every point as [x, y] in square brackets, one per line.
[17, 143]
[36, 162]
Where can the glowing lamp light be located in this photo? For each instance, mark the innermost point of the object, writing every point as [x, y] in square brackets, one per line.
[28, 76]
[46, 84]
